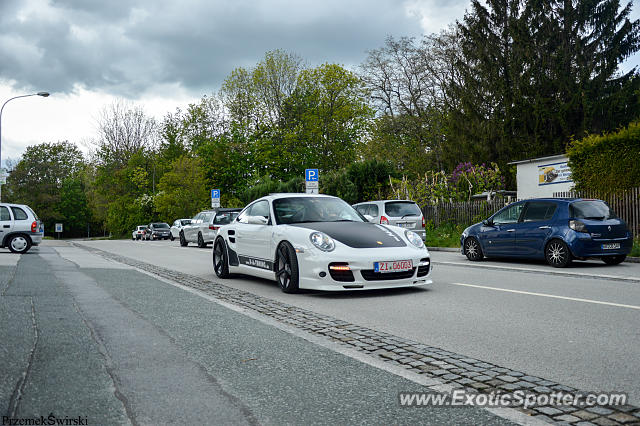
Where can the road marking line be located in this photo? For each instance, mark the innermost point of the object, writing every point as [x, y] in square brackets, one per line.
[539, 271]
[553, 296]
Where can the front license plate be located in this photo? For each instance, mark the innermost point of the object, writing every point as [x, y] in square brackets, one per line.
[611, 246]
[394, 266]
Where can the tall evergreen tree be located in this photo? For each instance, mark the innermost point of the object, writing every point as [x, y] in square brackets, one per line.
[536, 73]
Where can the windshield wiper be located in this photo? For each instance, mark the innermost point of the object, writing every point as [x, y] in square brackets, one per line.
[343, 220]
[408, 214]
[595, 217]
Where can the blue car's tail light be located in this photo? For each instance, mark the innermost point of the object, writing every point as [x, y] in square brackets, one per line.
[577, 226]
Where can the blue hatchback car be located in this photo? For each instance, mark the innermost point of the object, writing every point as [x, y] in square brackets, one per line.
[556, 229]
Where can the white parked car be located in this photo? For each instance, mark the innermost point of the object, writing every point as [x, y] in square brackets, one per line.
[309, 241]
[138, 233]
[20, 228]
[204, 226]
[177, 226]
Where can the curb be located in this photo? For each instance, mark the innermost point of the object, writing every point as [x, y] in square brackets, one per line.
[457, 250]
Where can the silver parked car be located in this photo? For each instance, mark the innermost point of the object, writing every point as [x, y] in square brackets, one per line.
[20, 228]
[177, 226]
[203, 227]
[402, 213]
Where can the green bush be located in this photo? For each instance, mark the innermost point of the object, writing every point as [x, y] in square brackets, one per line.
[445, 235]
[608, 162]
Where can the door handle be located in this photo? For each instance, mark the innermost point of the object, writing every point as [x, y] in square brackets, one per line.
[544, 227]
[6, 226]
[511, 230]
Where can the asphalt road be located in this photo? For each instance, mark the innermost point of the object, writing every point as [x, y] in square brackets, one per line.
[83, 337]
[577, 326]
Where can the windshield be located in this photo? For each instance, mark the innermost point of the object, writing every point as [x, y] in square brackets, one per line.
[314, 209]
[402, 209]
[591, 209]
[160, 225]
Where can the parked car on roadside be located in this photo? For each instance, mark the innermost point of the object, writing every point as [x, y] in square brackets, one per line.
[556, 229]
[20, 228]
[177, 226]
[403, 213]
[138, 233]
[157, 231]
[204, 226]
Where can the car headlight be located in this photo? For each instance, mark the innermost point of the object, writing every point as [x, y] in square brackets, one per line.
[322, 241]
[414, 238]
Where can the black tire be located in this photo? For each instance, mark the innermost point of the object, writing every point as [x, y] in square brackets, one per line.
[286, 268]
[201, 242]
[220, 259]
[472, 249]
[557, 254]
[614, 260]
[19, 243]
[172, 237]
[183, 241]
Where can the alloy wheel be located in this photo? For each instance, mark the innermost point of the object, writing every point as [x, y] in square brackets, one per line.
[283, 270]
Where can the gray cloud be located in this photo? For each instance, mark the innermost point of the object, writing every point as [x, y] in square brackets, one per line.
[126, 47]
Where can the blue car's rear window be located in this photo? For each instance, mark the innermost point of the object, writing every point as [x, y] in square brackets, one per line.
[591, 209]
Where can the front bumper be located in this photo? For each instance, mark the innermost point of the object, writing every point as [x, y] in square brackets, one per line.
[316, 275]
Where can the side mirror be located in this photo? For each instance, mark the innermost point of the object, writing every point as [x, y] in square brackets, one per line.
[487, 222]
[368, 217]
[257, 220]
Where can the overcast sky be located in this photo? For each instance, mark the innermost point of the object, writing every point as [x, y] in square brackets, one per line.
[164, 54]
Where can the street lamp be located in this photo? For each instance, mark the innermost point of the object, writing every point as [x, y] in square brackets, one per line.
[43, 94]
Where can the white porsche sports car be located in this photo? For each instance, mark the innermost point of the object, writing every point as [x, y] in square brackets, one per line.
[310, 241]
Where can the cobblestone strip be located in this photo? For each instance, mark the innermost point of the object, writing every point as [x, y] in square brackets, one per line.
[459, 371]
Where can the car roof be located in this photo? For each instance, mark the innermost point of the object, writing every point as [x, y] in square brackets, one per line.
[277, 196]
[387, 201]
[560, 200]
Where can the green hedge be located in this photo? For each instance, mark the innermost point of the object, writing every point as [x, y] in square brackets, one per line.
[607, 163]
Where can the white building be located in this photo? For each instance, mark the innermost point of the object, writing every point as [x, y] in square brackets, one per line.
[541, 177]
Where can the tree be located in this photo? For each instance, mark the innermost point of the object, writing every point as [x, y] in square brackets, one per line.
[182, 190]
[123, 131]
[39, 179]
[328, 115]
[535, 73]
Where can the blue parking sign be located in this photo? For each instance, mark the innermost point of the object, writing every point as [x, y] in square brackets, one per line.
[215, 193]
[311, 175]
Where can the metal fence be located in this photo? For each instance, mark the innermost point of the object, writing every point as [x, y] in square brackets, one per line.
[626, 204]
[461, 213]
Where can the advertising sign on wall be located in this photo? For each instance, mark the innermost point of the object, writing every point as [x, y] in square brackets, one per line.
[550, 174]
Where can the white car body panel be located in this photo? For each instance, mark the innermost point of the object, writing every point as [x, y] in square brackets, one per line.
[251, 250]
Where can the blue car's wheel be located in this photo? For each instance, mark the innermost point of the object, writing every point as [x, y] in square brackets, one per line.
[557, 254]
[472, 249]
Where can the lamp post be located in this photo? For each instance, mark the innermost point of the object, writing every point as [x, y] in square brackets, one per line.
[43, 94]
